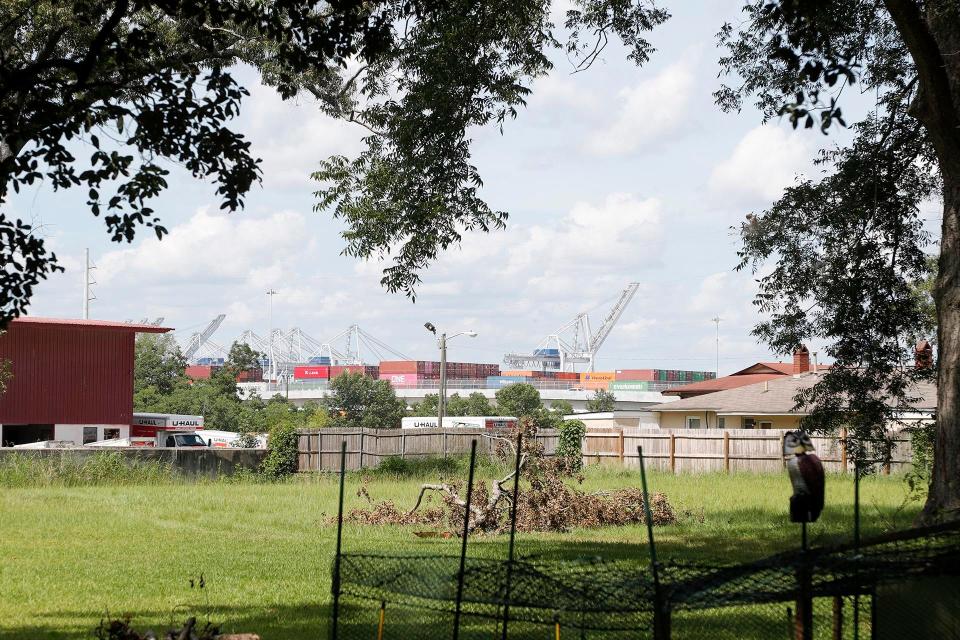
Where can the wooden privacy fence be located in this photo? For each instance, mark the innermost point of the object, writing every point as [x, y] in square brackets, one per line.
[705, 450]
[319, 449]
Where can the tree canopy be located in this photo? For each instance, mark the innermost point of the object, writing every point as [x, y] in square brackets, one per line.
[357, 400]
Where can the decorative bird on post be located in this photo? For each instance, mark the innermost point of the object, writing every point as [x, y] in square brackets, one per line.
[806, 476]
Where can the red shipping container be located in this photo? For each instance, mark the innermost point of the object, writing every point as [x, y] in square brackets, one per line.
[321, 372]
[636, 374]
[250, 375]
[372, 371]
[337, 370]
[398, 366]
[199, 372]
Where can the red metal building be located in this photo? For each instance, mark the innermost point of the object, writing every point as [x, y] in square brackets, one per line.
[72, 379]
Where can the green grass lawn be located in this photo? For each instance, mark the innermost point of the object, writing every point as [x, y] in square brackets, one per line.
[71, 555]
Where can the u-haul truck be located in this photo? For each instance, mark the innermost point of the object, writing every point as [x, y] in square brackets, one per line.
[466, 422]
[166, 430]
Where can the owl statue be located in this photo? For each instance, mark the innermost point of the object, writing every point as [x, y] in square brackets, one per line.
[806, 476]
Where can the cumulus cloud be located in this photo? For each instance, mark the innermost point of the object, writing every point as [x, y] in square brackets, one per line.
[765, 161]
[649, 112]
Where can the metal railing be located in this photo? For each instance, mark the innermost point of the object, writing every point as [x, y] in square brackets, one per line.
[478, 384]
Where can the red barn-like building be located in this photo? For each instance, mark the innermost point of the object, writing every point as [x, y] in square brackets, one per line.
[72, 379]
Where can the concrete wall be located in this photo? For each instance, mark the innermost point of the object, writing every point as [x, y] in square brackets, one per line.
[208, 463]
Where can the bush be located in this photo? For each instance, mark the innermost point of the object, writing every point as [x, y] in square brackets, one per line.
[570, 442]
[281, 458]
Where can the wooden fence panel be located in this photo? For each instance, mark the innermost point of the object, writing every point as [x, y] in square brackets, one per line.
[319, 450]
[709, 450]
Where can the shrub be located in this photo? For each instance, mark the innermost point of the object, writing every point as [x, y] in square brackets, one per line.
[281, 458]
[570, 442]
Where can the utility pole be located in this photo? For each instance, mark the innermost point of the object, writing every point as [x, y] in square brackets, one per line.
[273, 363]
[716, 320]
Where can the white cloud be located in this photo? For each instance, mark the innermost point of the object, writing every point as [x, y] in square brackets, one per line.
[765, 161]
[649, 112]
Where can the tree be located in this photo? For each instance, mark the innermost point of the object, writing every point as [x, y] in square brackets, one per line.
[519, 400]
[359, 401]
[561, 407]
[602, 400]
[145, 82]
[157, 363]
[476, 404]
[849, 247]
[429, 406]
[413, 191]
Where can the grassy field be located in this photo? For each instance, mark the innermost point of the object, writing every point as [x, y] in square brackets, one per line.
[70, 555]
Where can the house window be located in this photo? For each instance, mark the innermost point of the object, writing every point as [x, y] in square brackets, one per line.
[693, 422]
[749, 423]
[89, 434]
[111, 434]
[721, 422]
[766, 424]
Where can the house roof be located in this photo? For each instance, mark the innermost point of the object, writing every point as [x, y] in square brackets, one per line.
[782, 368]
[720, 384]
[100, 324]
[774, 396]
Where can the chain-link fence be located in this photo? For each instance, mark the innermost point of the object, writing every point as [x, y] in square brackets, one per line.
[896, 586]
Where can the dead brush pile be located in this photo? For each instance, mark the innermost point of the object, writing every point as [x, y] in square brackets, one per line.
[548, 501]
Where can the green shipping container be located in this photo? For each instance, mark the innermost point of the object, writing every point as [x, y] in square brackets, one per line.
[630, 385]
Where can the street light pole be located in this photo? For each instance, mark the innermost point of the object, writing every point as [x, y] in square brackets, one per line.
[443, 380]
[716, 320]
[442, 342]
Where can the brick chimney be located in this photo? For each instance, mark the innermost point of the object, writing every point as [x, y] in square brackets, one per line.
[923, 355]
[801, 360]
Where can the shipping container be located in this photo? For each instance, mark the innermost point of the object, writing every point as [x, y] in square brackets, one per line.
[311, 373]
[566, 375]
[636, 374]
[398, 366]
[517, 373]
[200, 372]
[630, 385]
[496, 382]
[401, 379]
[597, 376]
[250, 375]
[319, 360]
[371, 371]
[340, 369]
[594, 385]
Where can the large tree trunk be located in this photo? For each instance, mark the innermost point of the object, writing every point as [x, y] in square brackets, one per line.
[932, 34]
[943, 499]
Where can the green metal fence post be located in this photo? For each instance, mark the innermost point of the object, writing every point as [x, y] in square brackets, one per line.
[661, 612]
[513, 533]
[335, 586]
[463, 545]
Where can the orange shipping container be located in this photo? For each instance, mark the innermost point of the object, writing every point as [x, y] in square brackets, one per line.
[524, 374]
[605, 376]
[593, 385]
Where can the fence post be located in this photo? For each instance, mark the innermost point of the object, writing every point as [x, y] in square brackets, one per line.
[726, 451]
[463, 547]
[837, 617]
[362, 431]
[444, 442]
[673, 453]
[403, 445]
[661, 610]
[620, 446]
[513, 533]
[843, 449]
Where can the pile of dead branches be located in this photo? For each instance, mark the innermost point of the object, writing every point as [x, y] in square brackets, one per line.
[547, 499]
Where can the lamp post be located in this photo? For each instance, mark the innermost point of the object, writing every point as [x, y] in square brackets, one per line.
[273, 366]
[442, 342]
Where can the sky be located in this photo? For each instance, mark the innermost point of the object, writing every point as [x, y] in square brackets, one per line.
[615, 175]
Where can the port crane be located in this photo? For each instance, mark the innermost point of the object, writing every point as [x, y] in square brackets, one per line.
[200, 338]
[574, 343]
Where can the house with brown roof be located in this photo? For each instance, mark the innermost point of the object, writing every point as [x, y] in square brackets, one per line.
[768, 404]
[759, 372]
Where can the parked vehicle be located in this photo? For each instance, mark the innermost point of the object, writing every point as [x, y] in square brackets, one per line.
[467, 422]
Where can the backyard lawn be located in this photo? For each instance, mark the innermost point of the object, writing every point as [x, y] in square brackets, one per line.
[71, 555]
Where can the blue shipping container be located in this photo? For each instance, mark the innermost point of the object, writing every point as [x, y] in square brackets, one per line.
[495, 382]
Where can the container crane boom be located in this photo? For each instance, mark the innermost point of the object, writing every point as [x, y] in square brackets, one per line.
[613, 316]
[198, 339]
